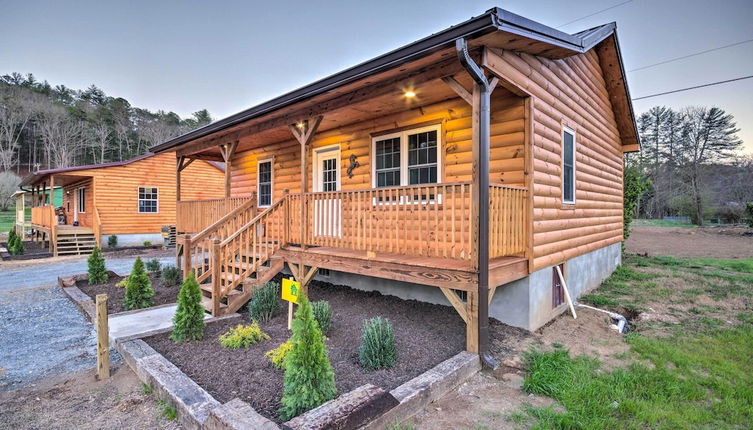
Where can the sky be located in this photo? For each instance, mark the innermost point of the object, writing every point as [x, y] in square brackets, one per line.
[226, 56]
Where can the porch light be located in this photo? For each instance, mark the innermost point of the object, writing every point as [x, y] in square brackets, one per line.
[409, 94]
[300, 124]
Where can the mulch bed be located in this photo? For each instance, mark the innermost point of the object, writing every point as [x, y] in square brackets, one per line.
[425, 334]
[162, 295]
[31, 250]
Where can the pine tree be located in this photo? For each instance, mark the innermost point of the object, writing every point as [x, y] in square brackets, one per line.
[138, 293]
[188, 322]
[97, 271]
[309, 380]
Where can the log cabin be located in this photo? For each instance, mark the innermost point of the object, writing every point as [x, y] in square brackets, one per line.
[462, 169]
[131, 199]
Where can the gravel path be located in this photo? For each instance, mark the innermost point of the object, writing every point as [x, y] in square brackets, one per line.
[42, 333]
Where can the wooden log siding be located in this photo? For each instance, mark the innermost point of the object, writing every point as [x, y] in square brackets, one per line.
[193, 216]
[569, 92]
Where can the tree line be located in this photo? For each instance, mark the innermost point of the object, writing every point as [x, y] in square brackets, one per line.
[693, 159]
[42, 126]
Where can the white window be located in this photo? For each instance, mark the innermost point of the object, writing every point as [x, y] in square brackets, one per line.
[81, 199]
[148, 200]
[568, 166]
[264, 183]
[409, 157]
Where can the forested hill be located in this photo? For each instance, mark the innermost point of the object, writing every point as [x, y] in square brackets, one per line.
[42, 126]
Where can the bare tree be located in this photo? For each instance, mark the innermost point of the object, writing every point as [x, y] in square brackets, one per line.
[15, 113]
[63, 136]
[100, 135]
[9, 182]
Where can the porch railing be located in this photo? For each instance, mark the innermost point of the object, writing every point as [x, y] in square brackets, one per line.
[193, 216]
[43, 216]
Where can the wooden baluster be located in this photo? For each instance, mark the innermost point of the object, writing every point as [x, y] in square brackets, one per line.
[216, 274]
[186, 255]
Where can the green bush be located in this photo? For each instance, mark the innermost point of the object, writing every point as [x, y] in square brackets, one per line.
[97, 271]
[15, 245]
[749, 212]
[147, 243]
[634, 185]
[264, 303]
[138, 293]
[242, 336]
[153, 266]
[11, 235]
[377, 349]
[170, 276]
[277, 355]
[112, 241]
[122, 283]
[309, 380]
[322, 314]
[188, 322]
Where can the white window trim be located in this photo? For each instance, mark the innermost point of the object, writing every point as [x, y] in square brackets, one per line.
[566, 129]
[80, 197]
[138, 207]
[403, 135]
[271, 161]
[315, 165]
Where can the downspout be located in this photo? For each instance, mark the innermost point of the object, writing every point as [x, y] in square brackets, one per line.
[481, 85]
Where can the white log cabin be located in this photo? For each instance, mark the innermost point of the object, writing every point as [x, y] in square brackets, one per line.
[460, 169]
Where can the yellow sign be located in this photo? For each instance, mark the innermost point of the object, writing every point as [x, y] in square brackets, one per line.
[290, 290]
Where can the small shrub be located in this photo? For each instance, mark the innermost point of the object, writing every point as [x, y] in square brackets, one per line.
[309, 380]
[264, 303]
[138, 293]
[97, 271]
[146, 388]
[15, 245]
[749, 213]
[153, 266]
[170, 276]
[322, 314]
[122, 283]
[277, 355]
[112, 241]
[188, 322]
[11, 234]
[147, 243]
[242, 336]
[377, 349]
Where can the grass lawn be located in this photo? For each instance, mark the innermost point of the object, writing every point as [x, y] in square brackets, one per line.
[660, 223]
[691, 366]
[8, 218]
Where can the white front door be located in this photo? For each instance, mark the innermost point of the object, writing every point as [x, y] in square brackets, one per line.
[327, 209]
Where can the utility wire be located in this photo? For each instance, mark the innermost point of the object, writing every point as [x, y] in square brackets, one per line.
[691, 55]
[693, 88]
[595, 13]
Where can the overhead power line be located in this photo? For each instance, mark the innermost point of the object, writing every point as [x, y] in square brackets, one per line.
[693, 88]
[595, 13]
[691, 55]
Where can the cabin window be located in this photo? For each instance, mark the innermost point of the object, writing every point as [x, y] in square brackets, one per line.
[264, 186]
[148, 200]
[407, 158]
[81, 199]
[568, 166]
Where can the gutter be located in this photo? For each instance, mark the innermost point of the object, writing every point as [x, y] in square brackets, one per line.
[481, 195]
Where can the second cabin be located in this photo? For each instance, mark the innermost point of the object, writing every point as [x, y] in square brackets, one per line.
[375, 177]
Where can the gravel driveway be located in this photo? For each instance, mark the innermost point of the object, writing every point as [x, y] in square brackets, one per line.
[42, 333]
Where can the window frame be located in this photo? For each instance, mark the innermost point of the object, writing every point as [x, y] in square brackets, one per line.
[404, 168]
[139, 199]
[81, 200]
[271, 162]
[571, 131]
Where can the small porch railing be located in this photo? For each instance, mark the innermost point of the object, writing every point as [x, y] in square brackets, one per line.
[43, 216]
[193, 216]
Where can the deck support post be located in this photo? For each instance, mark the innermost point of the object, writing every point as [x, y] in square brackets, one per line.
[302, 275]
[304, 132]
[186, 248]
[216, 277]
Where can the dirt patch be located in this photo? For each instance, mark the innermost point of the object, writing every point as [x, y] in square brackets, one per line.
[706, 242]
[32, 250]
[162, 294]
[425, 334]
[83, 403]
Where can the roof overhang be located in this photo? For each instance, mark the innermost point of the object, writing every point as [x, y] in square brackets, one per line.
[517, 32]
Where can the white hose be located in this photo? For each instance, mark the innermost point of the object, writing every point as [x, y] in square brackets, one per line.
[621, 324]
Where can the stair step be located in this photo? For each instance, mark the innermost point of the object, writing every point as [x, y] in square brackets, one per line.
[208, 288]
[207, 303]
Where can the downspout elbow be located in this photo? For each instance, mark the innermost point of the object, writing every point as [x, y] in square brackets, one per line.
[461, 48]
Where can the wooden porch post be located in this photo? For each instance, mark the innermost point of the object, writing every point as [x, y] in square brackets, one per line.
[228, 150]
[304, 132]
[54, 220]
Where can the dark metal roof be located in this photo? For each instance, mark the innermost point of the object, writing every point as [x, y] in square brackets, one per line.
[495, 19]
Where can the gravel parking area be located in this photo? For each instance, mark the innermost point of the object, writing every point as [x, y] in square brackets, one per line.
[42, 333]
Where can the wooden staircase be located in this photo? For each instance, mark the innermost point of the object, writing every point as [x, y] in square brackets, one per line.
[236, 255]
[74, 241]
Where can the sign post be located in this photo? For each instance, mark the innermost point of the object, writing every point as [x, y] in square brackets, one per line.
[290, 291]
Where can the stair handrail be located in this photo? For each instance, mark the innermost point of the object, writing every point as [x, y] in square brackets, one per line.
[253, 221]
[251, 203]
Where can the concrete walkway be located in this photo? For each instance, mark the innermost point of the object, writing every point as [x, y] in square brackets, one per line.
[140, 322]
[42, 333]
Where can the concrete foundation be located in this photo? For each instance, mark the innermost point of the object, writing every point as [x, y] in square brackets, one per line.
[134, 239]
[525, 303]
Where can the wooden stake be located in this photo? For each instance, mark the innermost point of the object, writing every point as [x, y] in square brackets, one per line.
[103, 339]
[290, 315]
